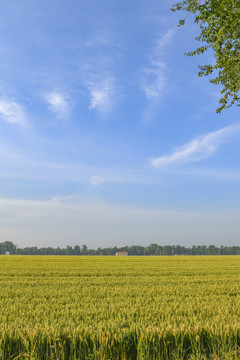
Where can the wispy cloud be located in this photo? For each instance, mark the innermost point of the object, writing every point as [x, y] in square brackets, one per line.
[200, 148]
[154, 80]
[154, 76]
[224, 174]
[100, 39]
[98, 70]
[67, 198]
[102, 93]
[162, 43]
[57, 103]
[12, 112]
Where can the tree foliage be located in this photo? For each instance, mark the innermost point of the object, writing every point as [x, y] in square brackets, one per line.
[219, 22]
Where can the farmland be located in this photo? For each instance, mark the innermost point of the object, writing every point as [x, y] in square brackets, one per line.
[119, 308]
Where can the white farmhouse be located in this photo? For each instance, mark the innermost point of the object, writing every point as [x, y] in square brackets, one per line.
[122, 253]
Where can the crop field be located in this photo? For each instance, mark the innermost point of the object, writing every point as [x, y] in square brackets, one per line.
[119, 307]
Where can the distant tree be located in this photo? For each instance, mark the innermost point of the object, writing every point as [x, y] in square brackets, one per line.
[152, 249]
[194, 250]
[77, 250]
[8, 246]
[219, 22]
[167, 250]
[212, 250]
[58, 251]
[203, 250]
[178, 250]
[84, 250]
[99, 251]
[50, 251]
[69, 250]
[234, 250]
[114, 250]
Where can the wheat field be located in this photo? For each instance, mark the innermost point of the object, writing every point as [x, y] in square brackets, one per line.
[179, 307]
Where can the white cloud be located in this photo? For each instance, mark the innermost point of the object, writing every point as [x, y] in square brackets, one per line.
[154, 78]
[102, 94]
[199, 148]
[57, 104]
[12, 112]
[96, 180]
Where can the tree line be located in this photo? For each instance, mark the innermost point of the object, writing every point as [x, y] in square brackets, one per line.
[153, 249]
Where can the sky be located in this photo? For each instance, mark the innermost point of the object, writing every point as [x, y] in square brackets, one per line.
[108, 137]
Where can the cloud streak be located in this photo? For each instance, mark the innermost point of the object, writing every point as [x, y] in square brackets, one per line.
[200, 148]
[154, 76]
[12, 112]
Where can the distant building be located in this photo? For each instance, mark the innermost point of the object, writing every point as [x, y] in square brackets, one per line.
[122, 253]
[7, 253]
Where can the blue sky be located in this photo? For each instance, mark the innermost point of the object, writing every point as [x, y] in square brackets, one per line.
[107, 135]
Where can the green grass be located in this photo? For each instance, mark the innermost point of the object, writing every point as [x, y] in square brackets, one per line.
[119, 308]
